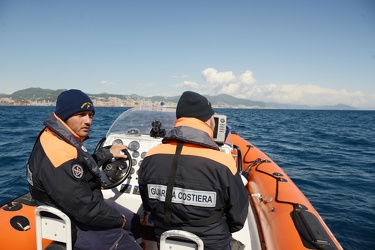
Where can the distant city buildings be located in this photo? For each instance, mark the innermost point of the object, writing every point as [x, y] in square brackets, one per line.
[97, 101]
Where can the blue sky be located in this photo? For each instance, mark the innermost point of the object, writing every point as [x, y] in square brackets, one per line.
[314, 52]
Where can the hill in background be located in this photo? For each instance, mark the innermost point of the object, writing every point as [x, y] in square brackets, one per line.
[39, 96]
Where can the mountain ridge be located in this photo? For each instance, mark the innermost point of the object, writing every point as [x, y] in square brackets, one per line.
[30, 95]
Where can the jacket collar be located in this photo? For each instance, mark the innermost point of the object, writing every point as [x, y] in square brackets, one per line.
[193, 131]
[62, 130]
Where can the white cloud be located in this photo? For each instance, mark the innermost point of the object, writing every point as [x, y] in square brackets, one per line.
[247, 78]
[312, 95]
[188, 84]
[246, 86]
[228, 83]
[215, 78]
[180, 77]
[104, 82]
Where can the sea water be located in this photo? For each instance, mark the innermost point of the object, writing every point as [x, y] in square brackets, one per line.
[330, 156]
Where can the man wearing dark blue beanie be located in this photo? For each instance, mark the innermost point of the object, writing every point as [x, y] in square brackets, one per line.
[61, 173]
[72, 101]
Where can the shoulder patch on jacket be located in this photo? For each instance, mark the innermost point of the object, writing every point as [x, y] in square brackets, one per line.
[77, 171]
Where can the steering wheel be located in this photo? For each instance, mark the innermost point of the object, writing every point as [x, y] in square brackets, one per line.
[117, 170]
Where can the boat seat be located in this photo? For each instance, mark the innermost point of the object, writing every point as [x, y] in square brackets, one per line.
[180, 240]
[56, 227]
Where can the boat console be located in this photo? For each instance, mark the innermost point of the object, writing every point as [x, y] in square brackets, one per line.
[141, 129]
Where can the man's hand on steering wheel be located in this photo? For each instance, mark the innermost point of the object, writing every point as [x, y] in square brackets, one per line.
[116, 150]
[119, 167]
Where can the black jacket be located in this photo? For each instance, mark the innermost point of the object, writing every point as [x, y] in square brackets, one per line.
[206, 185]
[61, 173]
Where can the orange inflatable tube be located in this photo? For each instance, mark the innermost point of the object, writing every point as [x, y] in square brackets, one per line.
[17, 223]
[287, 220]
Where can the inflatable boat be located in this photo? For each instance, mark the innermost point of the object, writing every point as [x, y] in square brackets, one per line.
[280, 216]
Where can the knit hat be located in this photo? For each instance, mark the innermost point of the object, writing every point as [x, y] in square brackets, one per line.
[72, 101]
[194, 105]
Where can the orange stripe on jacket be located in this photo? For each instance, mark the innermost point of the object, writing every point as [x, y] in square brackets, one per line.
[194, 123]
[57, 150]
[196, 150]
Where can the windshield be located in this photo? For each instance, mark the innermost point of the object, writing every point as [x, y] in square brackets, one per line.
[140, 120]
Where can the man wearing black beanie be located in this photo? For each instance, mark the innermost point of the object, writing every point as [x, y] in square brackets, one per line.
[187, 183]
[61, 173]
[194, 105]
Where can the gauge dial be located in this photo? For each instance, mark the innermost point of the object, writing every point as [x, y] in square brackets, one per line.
[134, 162]
[143, 154]
[133, 145]
[135, 154]
[118, 141]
